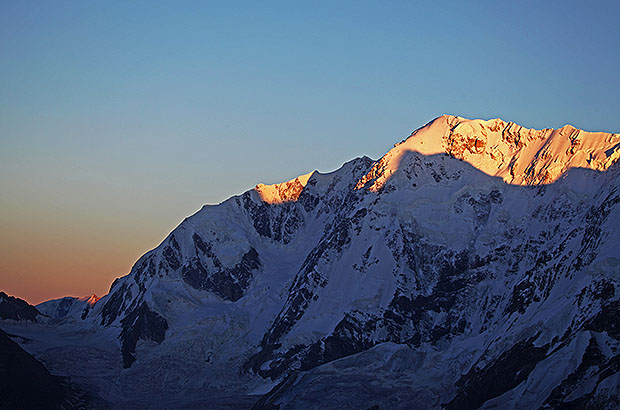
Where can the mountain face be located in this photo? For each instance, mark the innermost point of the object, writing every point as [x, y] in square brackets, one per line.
[25, 382]
[17, 309]
[476, 264]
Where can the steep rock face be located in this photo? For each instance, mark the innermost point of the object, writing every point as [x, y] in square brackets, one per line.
[144, 324]
[474, 253]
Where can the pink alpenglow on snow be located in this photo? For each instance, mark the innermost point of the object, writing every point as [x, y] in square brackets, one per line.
[518, 155]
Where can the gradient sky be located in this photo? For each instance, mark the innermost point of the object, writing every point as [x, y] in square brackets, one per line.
[118, 119]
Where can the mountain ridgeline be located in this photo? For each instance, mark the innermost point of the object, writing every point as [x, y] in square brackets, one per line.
[476, 264]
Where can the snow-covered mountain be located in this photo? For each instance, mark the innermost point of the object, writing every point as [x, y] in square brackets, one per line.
[477, 263]
[68, 307]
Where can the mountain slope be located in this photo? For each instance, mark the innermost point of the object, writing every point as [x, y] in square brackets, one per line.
[17, 309]
[475, 264]
[25, 383]
[68, 307]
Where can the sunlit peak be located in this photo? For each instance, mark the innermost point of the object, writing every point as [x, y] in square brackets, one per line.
[284, 192]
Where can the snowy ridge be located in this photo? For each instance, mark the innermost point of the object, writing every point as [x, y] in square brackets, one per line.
[474, 265]
[518, 155]
[283, 192]
[68, 307]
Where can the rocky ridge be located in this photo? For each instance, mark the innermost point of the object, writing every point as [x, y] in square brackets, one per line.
[13, 308]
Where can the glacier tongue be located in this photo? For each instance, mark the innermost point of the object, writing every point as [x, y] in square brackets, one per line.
[477, 263]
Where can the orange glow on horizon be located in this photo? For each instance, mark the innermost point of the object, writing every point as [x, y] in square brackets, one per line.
[49, 256]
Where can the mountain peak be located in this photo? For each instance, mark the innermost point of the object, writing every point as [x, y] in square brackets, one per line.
[90, 300]
[283, 192]
[518, 155]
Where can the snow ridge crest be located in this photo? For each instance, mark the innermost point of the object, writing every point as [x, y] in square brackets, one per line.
[518, 155]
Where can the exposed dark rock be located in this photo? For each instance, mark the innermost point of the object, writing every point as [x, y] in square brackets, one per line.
[607, 320]
[595, 218]
[498, 377]
[351, 335]
[171, 257]
[307, 200]
[17, 309]
[227, 283]
[554, 262]
[145, 267]
[25, 383]
[279, 222]
[140, 324]
[64, 306]
[115, 305]
[591, 357]
[302, 292]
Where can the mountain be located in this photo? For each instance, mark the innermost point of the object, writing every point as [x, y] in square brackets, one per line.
[68, 307]
[476, 264]
[17, 309]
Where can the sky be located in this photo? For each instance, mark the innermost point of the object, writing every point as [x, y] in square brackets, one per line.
[118, 119]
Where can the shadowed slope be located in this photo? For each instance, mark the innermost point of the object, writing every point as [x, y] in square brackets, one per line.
[24, 382]
[16, 309]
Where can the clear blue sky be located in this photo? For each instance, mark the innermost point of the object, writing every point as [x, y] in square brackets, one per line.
[117, 119]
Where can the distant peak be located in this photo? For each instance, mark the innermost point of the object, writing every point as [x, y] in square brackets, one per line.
[90, 300]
